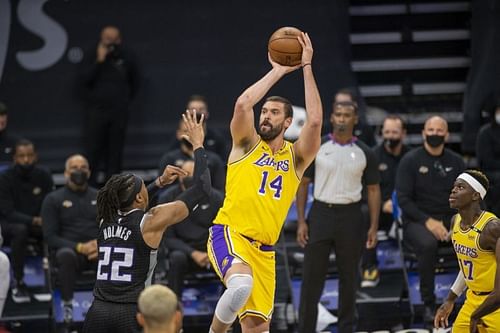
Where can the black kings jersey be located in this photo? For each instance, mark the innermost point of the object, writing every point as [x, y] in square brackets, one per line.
[126, 262]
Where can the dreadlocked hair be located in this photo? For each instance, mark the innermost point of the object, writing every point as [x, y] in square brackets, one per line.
[480, 177]
[109, 198]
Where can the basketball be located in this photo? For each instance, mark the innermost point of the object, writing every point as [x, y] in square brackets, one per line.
[284, 47]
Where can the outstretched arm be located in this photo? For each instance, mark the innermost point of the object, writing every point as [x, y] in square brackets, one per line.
[158, 218]
[307, 145]
[242, 125]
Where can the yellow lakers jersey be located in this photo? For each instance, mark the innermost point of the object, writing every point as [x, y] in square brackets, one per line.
[477, 265]
[260, 188]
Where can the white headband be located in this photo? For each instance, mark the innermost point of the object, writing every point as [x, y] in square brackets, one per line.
[477, 186]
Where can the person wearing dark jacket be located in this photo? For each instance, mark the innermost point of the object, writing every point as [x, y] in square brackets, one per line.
[389, 154]
[22, 189]
[108, 82]
[7, 140]
[488, 157]
[186, 242]
[423, 182]
[185, 153]
[214, 139]
[70, 227]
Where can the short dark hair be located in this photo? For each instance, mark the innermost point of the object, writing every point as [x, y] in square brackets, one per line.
[197, 98]
[351, 93]
[3, 109]
[396, 117]
[286, 103]
[23, 143]
[479, 176]
[347, 91]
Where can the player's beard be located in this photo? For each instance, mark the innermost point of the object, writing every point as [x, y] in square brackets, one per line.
[271, 133]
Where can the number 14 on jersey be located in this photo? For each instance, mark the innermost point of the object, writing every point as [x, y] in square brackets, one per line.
[275, 185]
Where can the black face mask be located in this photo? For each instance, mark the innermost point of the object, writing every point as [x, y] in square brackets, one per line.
[434, 140]
[78, 177]
[186, 143]
[24, 169]
[392, 143]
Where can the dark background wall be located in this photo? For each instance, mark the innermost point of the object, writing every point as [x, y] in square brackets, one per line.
[214, 48]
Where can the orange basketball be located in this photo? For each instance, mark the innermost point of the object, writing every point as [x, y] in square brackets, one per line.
[284, 46]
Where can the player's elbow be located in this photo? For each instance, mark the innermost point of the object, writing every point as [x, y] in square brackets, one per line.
[315, 120]
[242, 103]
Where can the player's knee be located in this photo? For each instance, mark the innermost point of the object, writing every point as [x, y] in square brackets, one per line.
[239, 288]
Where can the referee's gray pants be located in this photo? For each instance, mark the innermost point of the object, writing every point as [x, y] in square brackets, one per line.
[341, 228]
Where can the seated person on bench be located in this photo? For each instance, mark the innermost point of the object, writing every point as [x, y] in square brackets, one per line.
[186, 242]
[70, 228]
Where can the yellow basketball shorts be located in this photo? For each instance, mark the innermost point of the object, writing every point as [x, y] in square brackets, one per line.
[224, 246]
[472, 302]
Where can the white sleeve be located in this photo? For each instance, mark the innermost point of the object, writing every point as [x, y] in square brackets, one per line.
[459, 286]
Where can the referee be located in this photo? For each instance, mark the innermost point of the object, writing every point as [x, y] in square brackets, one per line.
[343, 166]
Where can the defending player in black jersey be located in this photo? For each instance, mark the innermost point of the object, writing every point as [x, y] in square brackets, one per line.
[129, 236]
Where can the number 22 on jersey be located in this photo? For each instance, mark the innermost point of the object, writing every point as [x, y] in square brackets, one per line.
[104, 263]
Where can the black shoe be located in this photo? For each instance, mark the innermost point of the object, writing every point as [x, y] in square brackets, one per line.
[428, 316]
[20, 293]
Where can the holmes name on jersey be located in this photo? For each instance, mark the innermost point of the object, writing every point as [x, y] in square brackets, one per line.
[267, 160]
[116, 231]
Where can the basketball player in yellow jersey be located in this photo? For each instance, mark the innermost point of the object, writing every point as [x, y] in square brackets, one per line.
[263, 174]
[476, 240]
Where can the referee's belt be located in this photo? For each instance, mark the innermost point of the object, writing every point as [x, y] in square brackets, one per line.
[481, 293]
[259, 245]
[334, 205]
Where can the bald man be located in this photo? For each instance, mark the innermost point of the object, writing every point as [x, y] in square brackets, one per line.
[159, 310]
[109, 81]
[70, 227]
[423, 181]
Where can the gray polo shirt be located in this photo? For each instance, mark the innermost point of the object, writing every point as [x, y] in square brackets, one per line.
[340, 171]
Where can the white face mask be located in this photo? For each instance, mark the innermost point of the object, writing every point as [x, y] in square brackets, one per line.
[497, 118]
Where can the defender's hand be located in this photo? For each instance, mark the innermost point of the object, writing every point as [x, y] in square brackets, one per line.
[170, 174]
[195, 131]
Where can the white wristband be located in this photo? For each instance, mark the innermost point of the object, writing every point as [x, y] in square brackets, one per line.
[459, 285]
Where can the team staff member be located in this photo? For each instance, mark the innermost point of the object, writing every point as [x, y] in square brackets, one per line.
[264, 171]
[129, 236]
[342, 167]
[388, 154]
[70, 228]
[423, 181]
[476, 240]
[23, 187]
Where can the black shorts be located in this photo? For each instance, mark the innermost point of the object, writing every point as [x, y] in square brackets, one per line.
[108, 317]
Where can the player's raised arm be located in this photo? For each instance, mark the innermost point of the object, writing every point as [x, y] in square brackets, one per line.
[309, 139]
[160, 217]
[242, 125]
